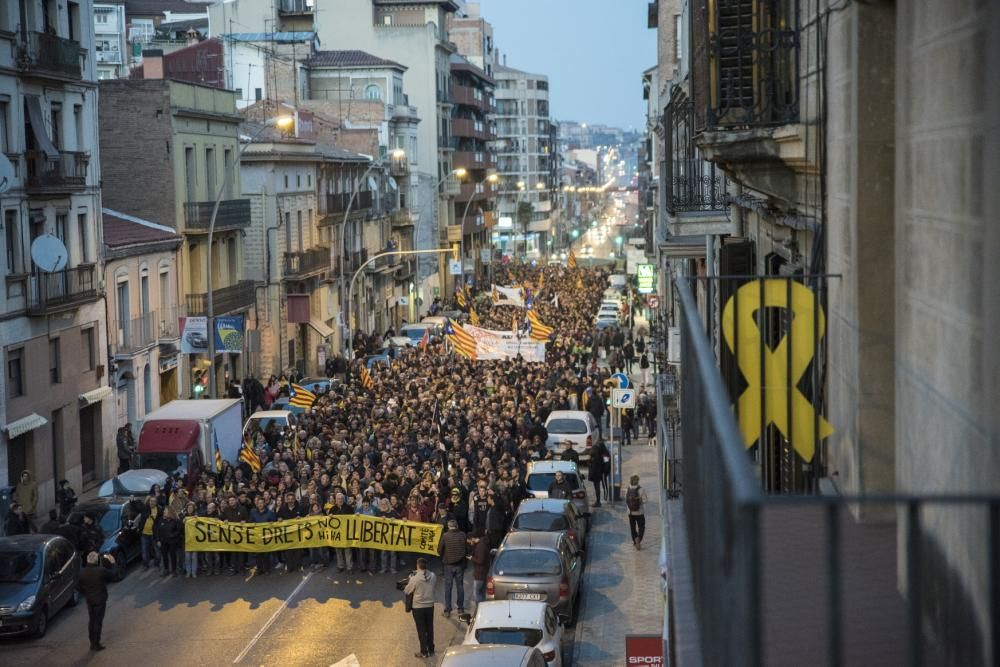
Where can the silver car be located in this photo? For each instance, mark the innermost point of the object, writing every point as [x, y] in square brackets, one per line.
[537, 566]
[541, 475]
[551, 515]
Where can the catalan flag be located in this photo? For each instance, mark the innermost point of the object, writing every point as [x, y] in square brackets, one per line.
[473, 317]
[366, 378]
[460, 297]
[539, 331]
[496, 295]
[571, 262]
[460, 339]
[301, 397]
[249, 456]
[218, 454]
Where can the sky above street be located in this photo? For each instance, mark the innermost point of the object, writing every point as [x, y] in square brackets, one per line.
[593, 52]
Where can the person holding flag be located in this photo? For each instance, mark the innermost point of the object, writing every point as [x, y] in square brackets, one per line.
[460, 339]
[366, 378]
[218, 454]
[302, 399]
[538, 331]
[571, 261]
[249, 456]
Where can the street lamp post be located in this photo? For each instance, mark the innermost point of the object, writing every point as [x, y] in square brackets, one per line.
[280, 121]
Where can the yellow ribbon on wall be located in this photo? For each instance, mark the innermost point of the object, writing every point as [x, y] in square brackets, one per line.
[781, 374]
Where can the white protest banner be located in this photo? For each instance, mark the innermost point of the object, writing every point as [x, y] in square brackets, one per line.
[507, 296]
[492, 345]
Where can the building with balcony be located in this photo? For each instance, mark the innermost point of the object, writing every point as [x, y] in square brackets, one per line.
[141, 274]
[860, 207]
[525, 154]
[162, 25]
[54, 420]
[473, 36]
[183, 142]
[111, 48]
[472, 131]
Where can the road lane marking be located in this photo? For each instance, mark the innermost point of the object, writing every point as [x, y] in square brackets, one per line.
[349, 661]
[274, 617]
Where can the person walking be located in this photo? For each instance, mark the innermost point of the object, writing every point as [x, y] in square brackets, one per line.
[560, 487]
[568, 453]
[26, 495]
[480, 567]
[421, 586]
[628, 351]
[17, 522]
[453, 552]
[124, 450]
[600, 458]
[93, 586]
[644, 369]
[261, 514]
[635, 501]
[170, 537]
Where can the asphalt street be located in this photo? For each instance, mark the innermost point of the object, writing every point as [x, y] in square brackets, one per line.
[318, 619]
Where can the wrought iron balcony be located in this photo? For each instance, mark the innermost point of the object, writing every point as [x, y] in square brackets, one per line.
[698, 192]
[49, 55]
[67, 172]
[168, 324]
[134, 335]
[233, 214]
[62, 290]
[745, 63]
[238, 297]
[339, 202]
[301, 264]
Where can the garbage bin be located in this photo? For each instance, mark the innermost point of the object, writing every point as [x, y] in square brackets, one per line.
[6, 498]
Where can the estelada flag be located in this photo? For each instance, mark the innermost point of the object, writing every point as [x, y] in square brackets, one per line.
[571, 262]
[301, 397]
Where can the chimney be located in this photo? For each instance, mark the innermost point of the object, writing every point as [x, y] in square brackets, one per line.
[505, 60]
[192, 36]
[152, 64]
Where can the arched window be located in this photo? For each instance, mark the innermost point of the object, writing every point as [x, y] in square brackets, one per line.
[373, 92]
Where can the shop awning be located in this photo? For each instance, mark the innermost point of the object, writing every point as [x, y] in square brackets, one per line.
[95, 396]
[321, 327]
[24, 424]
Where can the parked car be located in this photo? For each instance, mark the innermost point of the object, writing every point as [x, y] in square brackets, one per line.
[116, 517]
[396, 343]
[576, 426]
[551, 515]
[543, 567]
[492, 655]
[38, 575]
[541, 474]
[318, 386]
[415, 332]
[283, 419]
[373, 359]
[136, 482]
[518, 623]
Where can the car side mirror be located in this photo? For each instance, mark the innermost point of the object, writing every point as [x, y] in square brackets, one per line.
[563, 619]
[493, 552]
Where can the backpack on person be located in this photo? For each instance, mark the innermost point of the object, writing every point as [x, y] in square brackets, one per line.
[633, 501]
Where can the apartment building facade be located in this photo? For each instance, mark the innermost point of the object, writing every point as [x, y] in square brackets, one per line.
[183, 146]
[54, 416]
[525, 154]
[141, 271]
[853, 157]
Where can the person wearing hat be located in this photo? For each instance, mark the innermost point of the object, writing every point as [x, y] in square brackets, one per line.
[93, 586]
[453, 551]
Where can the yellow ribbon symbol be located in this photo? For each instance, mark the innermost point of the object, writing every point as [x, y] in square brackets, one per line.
[781, 374]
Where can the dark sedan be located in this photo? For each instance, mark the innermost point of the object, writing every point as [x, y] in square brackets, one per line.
[38, 575]
[116, 518]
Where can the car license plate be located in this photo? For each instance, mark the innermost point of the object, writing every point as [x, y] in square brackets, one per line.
[527, 596]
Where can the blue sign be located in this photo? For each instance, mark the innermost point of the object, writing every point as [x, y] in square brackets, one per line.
[622, 380]
[229, 334]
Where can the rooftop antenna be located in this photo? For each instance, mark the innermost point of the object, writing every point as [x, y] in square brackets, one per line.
[49, 253]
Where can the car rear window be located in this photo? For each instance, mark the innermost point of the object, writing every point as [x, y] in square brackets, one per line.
[509, 636]
[544, 521]
[567, 426]
[527, 562]
[541, 481]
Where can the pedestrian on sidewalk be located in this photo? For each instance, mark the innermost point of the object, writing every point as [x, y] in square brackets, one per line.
[421, 585]
[480, 567]
[629, 352]
[26, 495]
[628, 424]
[598, 468]
[644, 369]
[93, 586]
[635, 501]
[453, 552]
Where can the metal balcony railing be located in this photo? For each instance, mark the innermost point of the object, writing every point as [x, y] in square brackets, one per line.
[168, 323]
[233, 214]
[304, 263]
[61, 290]
[767, 570]
[66, 172]
[41, 53]
[745, 63]
[135, 334]
[234, 298]
[338, 203]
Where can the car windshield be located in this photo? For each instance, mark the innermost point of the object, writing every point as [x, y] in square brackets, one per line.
[168, 463]
[567, 426]
[527, 562]
[19, 567]
[509, 636]
[541, 481]
[109, 519]
[263, 422]
[544, 521]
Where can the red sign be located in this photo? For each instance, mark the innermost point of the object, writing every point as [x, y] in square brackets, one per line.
[643, 650]
[653, 301]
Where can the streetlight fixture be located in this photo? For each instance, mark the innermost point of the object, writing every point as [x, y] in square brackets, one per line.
[282, 122]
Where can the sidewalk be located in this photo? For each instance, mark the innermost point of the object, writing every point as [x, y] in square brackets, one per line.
[621, 586]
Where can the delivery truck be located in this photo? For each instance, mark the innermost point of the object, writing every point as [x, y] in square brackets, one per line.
[181, 436]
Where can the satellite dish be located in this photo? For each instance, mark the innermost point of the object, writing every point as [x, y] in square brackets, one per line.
[49, 253]
[372, 183]
[6, 174]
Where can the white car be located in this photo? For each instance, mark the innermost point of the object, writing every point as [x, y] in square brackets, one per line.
[576, 426]
[518, 623]
[282, 419]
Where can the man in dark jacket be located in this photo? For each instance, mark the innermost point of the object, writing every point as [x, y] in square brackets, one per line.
[480, 568]
[93, 586]
[124, 451]
[568, 453]
[234, 512]
[452, 550]
[598, 468]
[17, 522]
[560, 487]
[51, 527]
[290, 509]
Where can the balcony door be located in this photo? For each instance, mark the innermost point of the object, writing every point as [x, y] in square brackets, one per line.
[121, 301]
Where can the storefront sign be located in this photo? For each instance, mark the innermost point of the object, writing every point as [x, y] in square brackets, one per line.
[646, 275]
[194, 335]
[643, 650]
[229, 334]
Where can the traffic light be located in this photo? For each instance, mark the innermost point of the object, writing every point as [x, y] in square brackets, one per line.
[200, 383]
